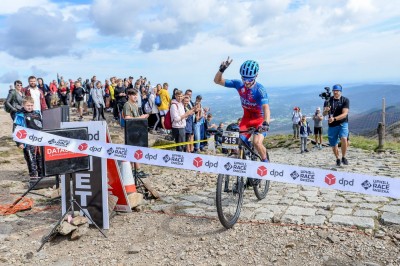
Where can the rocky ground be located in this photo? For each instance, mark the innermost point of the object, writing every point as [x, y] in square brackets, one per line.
[294, 225]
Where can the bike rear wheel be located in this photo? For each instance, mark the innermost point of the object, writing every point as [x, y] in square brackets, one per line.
[229, 200]
[262, 188]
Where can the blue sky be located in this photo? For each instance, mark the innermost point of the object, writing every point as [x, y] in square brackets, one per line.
[296, 42]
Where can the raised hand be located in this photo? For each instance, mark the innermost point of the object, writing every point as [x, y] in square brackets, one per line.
[224, 65]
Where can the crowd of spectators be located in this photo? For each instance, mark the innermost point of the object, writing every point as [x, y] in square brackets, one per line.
[190, 120]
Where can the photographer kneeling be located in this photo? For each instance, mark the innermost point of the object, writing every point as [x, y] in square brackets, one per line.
[337, 107]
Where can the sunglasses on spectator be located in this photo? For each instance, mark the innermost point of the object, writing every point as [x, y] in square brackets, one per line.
[248, 79]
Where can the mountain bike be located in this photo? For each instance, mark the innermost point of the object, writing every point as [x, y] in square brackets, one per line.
[230, 188]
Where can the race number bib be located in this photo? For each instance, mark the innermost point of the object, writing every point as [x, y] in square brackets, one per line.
[230, 140]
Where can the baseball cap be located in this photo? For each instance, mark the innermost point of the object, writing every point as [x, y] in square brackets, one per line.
[318, 109]
[337, 87]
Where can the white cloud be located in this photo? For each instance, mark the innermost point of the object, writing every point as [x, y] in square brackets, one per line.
[34, 33]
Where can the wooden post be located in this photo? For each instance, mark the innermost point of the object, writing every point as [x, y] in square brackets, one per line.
[383, 120]
[380, 137]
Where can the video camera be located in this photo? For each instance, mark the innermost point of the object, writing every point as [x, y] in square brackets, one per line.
[326, 94]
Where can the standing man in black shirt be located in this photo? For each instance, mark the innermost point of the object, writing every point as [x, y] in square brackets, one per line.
[338, 109]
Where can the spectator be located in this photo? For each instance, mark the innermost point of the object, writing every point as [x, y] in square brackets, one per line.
[14, 99]
[71, 90]
[37, 95]
[98, 102]
[107, 94]
[131, 110]
[338, 109]
[189, 128]
[304, 133]
[130, 81]
[63, 91]
[78, 96]
[296, 117]
[318, 128]
[165, 103]
[112, 96]
[46, 91]
[154, 118]
[189, 93]
[198, 123]
[120, 97]
[173, 93]
[27, 117]
[178, 118]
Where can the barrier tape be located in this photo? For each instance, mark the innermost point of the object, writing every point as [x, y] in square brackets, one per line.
[353, 182]
[178, 144]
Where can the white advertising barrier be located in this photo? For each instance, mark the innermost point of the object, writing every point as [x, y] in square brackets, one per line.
[353, 182]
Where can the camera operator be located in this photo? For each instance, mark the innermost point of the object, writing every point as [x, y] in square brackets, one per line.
[337, 107]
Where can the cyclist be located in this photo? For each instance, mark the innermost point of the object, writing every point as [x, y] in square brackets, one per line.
[254, 100]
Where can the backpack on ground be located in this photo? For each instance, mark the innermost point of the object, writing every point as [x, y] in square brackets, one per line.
[157, 101]
[168, 120]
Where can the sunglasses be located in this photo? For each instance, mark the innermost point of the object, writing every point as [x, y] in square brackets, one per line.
[248, 79]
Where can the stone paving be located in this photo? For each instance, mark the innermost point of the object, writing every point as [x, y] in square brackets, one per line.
[287, 203]
[306, 205]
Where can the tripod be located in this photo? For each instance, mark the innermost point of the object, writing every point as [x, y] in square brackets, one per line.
[72, 201]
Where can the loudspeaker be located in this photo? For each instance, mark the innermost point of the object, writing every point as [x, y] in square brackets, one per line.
[53, 117]
[57, 161]
[136, 132]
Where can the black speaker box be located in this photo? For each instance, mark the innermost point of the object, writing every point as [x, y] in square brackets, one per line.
[136, 132]
[59, 163]
[53, 117]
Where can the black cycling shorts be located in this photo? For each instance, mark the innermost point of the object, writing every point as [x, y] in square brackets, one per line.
[318, 131]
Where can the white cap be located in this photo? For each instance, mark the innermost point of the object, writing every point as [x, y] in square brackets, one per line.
[318, 109]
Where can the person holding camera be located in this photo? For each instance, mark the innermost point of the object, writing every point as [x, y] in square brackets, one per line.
[337, 108]
[317, 118]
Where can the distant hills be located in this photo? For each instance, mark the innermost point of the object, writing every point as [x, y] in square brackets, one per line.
[365, 103]
[366, 123]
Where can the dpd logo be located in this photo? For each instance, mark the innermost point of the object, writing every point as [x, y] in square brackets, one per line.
[262, 170]
[345, 182]
[166, 158]
[21, 134]
[110, 151]
[366, 184]
[276, 173]
[149, 156]
[198, 162]
[95, 149]
[138, 155]
[82, 147]
[34, 138]
[95, 136]
[294, 175]
[228, 166]
[330, 179]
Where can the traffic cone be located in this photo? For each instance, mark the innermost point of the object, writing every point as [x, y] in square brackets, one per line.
[129, 182]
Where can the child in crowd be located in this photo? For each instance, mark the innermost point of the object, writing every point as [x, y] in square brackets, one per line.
[305, 131]
[30, 119]
[97, 94]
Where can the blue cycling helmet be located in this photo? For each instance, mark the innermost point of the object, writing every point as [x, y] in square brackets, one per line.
[249, 69]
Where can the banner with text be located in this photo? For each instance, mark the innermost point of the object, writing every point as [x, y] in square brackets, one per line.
[354, 182]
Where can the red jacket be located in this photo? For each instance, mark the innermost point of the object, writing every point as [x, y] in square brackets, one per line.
[43, 105]
[53, 88]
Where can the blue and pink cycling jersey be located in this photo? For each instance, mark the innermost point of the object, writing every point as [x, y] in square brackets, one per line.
[252, 101]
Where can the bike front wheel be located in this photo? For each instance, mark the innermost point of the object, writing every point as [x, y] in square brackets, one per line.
[262, 188]
[229, 200]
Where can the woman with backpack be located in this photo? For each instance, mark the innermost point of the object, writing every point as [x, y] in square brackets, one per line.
[14, 99]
